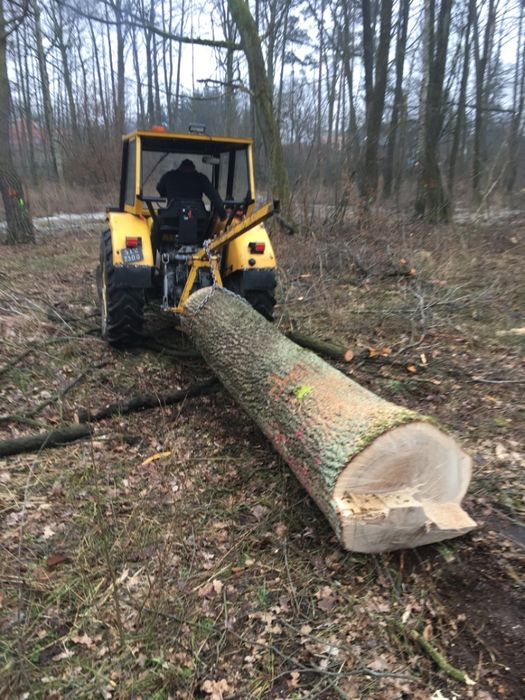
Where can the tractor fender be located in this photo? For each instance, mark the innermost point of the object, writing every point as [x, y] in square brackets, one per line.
[237, 255]
[123, 224]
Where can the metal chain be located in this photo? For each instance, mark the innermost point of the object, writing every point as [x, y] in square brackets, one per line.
[215, 285]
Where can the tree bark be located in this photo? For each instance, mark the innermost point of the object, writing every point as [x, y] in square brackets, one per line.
[462, 101]
[518, 100]
[432, 201]
[375, 88]
[388, 171]
[481, 56]
[384, 476]
[19, 223]
[46, 92]
[262, 99]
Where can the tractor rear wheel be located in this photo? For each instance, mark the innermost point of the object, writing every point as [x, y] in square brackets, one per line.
[121, 308]
[262, 300]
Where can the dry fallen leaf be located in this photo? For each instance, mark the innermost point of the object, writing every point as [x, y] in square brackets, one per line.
[205, 591]
[383, 351]
[83, 639]
[326, 598]
[281, 530]
[259, 512]
[48, 532]
[155, 457]
[56, 559]
[293, 681]
[66, 654]
[215, 689]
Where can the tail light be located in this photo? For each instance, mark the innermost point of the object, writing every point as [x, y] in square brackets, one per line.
[133, 242]
[257, 247]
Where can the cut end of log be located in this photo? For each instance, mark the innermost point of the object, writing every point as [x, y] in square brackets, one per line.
[404, 490]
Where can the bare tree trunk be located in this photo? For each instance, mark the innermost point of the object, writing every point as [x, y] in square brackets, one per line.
[388, 171]
[23, 79]
[179, 60]
[283, 61]
[19, 223]
[121, 102]
[432, 201]
[262, 99]
[319, 116]
[99, 78]
[58, 29]
[462, 100]
[518, 100]
[166, 53]
[46, 94]
[481, 56]
[83, 70]
[141, 112]
[375, 88]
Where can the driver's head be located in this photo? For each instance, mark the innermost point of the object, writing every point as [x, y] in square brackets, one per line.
[187, 166]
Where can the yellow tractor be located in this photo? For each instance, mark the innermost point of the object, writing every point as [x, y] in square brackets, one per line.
[155, 248]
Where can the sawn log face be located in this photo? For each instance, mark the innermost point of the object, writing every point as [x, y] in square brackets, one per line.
[321, 421]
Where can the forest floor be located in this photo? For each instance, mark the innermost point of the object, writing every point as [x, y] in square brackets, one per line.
[174, 555]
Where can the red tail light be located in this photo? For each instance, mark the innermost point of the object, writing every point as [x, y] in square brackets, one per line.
[257, 247]
[133, 242]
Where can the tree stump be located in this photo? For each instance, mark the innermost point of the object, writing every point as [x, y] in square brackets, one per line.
[384, 476]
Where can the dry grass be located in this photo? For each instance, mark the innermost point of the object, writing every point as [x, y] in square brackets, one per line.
[207, 572]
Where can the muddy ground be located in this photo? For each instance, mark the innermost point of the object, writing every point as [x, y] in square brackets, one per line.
[174, 555]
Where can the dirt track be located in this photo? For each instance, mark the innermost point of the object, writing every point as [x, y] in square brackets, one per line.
[175, 555]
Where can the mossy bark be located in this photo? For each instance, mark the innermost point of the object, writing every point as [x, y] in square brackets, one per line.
[317, 418]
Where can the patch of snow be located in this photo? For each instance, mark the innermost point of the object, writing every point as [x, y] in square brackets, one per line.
[61, 221]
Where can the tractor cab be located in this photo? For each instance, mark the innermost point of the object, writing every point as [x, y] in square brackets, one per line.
[165, 247]
[226, 162]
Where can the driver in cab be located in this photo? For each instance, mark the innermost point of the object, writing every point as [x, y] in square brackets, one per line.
[186, 183]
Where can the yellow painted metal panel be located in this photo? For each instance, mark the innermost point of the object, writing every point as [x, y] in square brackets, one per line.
[238, 253]
[188, 136]
[122, 224]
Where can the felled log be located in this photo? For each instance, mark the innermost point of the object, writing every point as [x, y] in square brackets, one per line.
[385, 477]
[334, 351]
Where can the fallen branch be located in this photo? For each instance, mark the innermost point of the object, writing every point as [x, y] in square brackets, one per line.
[343, 353]
[9, 365]
[482, 380]
[69, 433]
[334, 351]
[139, 402]
[40, 441]
[436, 656]
[165, 350]
[27, 418]
[18, 358]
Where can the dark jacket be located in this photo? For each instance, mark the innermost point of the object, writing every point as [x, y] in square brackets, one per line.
[181, 184]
